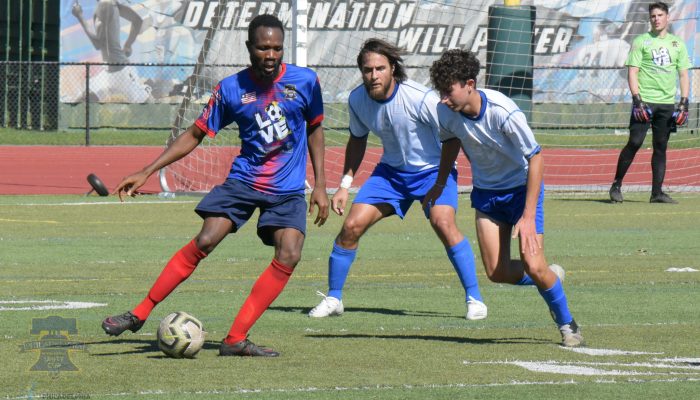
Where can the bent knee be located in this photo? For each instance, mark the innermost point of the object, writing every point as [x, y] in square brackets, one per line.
[443, 224]
[289, 257]
[206, 242]
[352, 231]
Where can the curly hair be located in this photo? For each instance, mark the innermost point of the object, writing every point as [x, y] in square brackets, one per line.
[453, 66]
[392, 54]
[266, 20]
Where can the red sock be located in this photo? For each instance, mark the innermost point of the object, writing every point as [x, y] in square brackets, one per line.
[265, 290]
[179, 268]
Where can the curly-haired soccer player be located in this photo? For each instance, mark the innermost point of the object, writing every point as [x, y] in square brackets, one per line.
[508, 190]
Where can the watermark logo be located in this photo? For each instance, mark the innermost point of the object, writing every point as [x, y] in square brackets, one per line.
[53, 344]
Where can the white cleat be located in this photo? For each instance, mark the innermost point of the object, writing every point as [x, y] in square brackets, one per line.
[329, 306]
[558, 271]
[476, 309]
[571, 335]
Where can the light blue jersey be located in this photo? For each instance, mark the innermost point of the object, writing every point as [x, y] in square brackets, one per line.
[498, 142]
[406, 123]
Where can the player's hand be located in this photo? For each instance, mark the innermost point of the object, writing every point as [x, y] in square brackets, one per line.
[431, 197]
[680, 116]
[127, 51]
[339, 201]
[525, 229]
[130, 184]
[641, 112]
[319, 198]
[77, 10]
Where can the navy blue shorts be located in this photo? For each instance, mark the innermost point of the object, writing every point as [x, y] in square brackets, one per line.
[400, 189]
[237, 201]
[507, 205]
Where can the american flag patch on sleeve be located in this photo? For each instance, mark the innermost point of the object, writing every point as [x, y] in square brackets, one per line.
[248, 98]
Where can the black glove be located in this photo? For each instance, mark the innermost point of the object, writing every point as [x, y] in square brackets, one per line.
[640, 110]
[680, 116]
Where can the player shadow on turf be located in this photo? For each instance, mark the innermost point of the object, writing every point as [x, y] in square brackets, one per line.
[603, 201]
[452, 339]
[374, 310]
[144, 346]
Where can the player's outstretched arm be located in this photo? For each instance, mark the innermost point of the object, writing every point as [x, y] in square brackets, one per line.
[182, 146]
[448, 156]
[136, 22]
[319, 197]
[77, 12]
[354, 154]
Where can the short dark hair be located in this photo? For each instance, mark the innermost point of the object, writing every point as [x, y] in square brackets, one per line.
[266, 20]
[660, 5]
[392, 53]
[453, 66]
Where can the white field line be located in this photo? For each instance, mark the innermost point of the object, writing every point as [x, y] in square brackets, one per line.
[606, 352]
[116, 203]
[37, 305]
[360, 389]
[591, 368]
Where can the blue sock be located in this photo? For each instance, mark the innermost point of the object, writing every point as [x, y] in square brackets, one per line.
[462, 259]
[526, 281]
[339, 264]
[556, 300]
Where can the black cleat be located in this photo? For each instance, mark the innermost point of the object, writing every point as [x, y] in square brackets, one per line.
[662, 198]
[245, 348]
[117, 324]
[615, 193]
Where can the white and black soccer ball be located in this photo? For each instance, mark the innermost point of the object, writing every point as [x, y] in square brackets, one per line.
[180, 335]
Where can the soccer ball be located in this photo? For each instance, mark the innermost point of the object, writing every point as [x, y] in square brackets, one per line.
[180, 335]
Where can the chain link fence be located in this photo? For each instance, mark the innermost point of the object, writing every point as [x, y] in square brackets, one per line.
[50, 96]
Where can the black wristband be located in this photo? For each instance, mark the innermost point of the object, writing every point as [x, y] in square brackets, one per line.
[636, 99]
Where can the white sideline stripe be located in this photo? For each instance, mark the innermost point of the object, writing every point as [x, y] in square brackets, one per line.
[588, 368]
[606, 352]
[37, 305]
[100, 204]
[228, 393]
[557, 368]
[680, 360]
[686, 269]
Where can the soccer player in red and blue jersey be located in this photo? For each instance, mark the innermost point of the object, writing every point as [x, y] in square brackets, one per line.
[278, 109]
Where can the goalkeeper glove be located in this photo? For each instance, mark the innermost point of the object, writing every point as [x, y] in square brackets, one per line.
[640, 111]
[680, 116]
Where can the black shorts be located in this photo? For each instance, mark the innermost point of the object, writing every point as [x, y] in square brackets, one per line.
[238, 201]
[661, 122]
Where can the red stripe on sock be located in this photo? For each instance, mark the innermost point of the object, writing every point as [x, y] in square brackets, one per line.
[265, 290]
[179, 268]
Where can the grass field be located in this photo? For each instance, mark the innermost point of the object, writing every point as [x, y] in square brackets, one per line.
[548, 138]
[403, 335]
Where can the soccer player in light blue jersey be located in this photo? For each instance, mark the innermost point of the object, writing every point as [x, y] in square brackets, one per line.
[402, 113]
[508, 190]
[278, 109]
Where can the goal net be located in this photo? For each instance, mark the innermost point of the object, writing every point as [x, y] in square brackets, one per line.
[562, 61]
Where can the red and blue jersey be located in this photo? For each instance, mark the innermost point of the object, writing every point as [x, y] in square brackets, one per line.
[272, 119]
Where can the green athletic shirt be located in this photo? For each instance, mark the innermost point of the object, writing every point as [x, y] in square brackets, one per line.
[658, 60]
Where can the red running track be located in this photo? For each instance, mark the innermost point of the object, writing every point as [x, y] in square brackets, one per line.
[64, 169]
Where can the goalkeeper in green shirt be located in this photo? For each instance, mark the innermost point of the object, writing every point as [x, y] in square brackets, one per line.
[654, 61]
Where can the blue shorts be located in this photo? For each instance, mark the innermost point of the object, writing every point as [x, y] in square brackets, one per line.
[400, 189]
[507, 205]
[237, 201]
